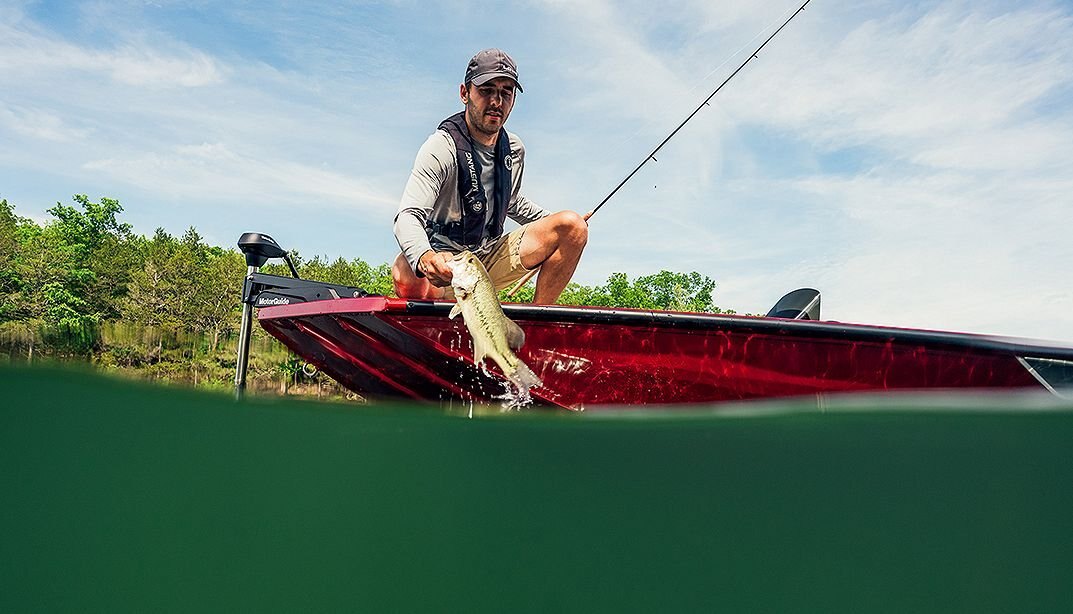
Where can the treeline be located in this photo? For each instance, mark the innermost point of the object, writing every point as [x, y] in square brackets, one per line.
[83, 286]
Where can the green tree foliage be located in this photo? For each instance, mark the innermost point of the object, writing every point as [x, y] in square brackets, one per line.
[158, 293]
[84, 284]
[185, 286]
[53, 277]
[664, 290]
[10, 283]
[356, 273]
[101, 249]
[62, 278]
[219, 294]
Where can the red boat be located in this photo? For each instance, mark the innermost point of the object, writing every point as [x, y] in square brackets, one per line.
[394, 348]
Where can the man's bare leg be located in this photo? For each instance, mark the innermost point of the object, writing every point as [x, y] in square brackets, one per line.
[409, 285]
[554, 243]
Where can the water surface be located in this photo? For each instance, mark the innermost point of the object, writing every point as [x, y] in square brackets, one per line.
[120, 496]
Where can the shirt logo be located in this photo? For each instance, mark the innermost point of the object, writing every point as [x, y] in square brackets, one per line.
[475, 184]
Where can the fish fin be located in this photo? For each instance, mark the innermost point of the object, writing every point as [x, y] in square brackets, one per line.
[457, 309]
[480, 349]
[523, 377]
[515, 335]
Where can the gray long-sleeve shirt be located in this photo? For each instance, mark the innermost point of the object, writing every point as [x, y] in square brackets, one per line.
[431, 194]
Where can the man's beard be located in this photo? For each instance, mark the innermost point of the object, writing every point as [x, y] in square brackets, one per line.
[483, 124]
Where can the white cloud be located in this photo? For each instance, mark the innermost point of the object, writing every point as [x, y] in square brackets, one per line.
[39, 124]
[145, 67]
[167, 122]
[193, 171]
[1020, 148]
[27, 53]
[903, 86]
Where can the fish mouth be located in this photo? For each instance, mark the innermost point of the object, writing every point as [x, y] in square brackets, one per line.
[463, 278]
[455, 263]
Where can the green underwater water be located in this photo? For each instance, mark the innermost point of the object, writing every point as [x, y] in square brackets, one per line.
[121, 496]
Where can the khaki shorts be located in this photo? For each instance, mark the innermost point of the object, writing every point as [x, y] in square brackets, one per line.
[504, 263]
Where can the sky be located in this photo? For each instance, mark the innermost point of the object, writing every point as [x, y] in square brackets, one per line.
[911, 160]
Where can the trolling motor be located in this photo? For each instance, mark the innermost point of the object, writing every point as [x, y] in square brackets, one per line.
[263, 290]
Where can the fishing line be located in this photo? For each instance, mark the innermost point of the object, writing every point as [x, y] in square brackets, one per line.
[747, 44]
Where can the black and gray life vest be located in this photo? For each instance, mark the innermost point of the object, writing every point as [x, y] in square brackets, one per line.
[470, 230]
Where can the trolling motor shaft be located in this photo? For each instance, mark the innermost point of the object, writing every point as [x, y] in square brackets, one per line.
[258, 248]
[243, 359]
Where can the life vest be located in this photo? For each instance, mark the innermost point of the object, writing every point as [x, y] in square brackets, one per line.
[470, 230]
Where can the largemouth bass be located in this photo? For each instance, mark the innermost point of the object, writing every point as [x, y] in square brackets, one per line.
[494, 335]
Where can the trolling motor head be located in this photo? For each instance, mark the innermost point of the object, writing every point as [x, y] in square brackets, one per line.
[258, 248]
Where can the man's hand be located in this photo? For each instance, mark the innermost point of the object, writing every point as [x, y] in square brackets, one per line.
[434, 266]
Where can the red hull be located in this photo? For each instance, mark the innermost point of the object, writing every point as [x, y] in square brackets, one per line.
[392, 348]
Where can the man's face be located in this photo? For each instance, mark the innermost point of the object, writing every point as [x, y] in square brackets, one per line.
[488, 105]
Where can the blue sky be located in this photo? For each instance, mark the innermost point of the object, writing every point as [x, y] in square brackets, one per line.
[913, 161]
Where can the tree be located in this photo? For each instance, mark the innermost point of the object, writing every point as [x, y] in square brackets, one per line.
[48, 279]
[678, 291]
[10, 283]
[663, 290]
[185, 286]
[101, 246]
[218, 297]
[159, 293]
[53, 277]
[356, 273]
[93, 224]
[64, 277]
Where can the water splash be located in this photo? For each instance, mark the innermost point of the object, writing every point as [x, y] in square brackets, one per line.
[515, 395]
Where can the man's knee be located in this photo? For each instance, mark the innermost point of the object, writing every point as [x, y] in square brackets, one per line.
[416, 288]
[573, 228]
[407, 285]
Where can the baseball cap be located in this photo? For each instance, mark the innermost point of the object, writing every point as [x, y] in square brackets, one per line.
[489, 64]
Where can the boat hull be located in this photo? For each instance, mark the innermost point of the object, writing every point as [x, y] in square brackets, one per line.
[393, 348]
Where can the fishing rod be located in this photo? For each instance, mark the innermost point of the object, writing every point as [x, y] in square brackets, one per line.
[652, 156]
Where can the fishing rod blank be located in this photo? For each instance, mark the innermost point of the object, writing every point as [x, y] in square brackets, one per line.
[652, 156]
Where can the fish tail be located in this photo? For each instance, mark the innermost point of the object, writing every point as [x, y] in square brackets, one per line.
[524, 378]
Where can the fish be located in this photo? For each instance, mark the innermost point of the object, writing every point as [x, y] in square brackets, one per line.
[494, 335]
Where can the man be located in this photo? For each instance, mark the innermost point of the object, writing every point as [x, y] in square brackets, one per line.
[465, 182]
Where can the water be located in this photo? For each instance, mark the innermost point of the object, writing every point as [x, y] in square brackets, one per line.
[120, 496]
[165, 355]
[515, 396]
